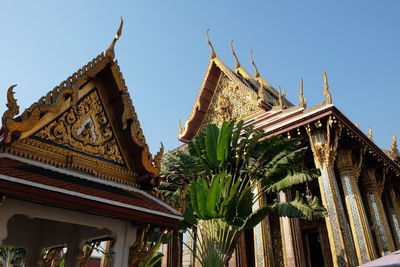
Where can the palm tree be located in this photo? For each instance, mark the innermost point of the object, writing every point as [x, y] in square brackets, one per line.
[225, 172]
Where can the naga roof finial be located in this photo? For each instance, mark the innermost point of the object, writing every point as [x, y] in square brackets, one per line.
[303, 101]
[237, 63]
[110, 50]
[370, 133]
[13, 108]
[213, 55]
[256, 73]
[327, 94]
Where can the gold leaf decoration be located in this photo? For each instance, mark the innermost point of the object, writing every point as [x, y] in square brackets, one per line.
[230, 101]
[84, 128]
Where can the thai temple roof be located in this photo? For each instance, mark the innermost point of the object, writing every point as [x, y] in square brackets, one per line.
[81, 147]
[255, 101]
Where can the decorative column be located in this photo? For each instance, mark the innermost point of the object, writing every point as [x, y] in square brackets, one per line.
[324, 147]
[379, 219]
[259, 237]
[293, 254]
[349, 175]
[395, 214]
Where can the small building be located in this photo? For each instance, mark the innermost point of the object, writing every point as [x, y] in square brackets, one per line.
[359, 182]
[76, 172]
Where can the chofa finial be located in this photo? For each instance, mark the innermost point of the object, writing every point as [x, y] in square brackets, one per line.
[237, 63]
[256, 73]
[110, 50]
[327, 94]
[303, 101]
[213, 55]
[370, 133]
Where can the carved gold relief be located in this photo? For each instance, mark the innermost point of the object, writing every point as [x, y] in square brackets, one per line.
[230, 101]
[53, 100]
[130, 118]
[84, 128]
[13, 108]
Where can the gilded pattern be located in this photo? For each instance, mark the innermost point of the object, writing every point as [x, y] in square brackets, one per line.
[84, 128]
[379, 223]
[356, 219]
[230, 101]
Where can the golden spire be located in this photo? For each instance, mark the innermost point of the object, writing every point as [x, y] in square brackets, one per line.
[110, 50]
[327, 94]
[256, 73]
[213, 55]
[303, 101]
[356, 124]
[370, 133]
[237, 64]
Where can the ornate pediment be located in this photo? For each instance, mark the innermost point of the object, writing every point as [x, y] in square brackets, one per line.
[84, 128]
[230, 101]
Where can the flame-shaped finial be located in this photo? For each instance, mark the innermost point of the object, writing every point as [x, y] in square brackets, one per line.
[256, 73]
[110, 50]
[303, 101]
[327, 94]
[213, 55]
[237, 63]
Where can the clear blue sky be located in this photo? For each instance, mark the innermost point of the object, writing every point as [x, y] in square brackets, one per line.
[163, 54]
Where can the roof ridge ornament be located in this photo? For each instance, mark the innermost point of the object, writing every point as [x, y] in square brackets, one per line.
[213, 54]
[281, 98]
[370, 133]
[303, 101]
[13, 108]
[237, 63]
[256, 72]
[393, 146]
[110, 50]
[327, 94]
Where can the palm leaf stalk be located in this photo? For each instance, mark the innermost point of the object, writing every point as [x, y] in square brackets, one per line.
[227, 170]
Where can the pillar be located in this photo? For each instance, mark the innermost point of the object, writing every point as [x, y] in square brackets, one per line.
[324, 147]
[293, 254]
[395, 214]
[349, 175]
[379, 219]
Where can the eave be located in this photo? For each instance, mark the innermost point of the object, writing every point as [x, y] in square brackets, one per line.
[302, 117]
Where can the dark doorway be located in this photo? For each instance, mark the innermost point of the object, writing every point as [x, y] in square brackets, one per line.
[315, 257]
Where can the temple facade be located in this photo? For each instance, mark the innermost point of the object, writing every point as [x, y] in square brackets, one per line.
[76, 174]
[359, 182]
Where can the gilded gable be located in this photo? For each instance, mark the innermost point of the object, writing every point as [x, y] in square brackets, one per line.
[84, 128]
[230, 101]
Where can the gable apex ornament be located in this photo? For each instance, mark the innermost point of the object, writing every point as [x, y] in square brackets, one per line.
[237, 63]
[327, 94]
[110, 50]
[213, 54]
